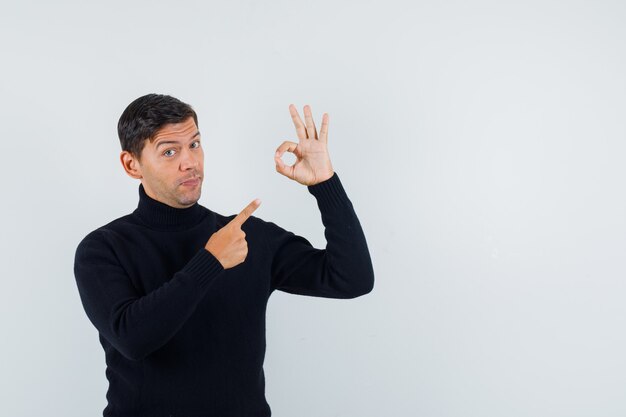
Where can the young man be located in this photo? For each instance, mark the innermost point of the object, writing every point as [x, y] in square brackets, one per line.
[178, 292]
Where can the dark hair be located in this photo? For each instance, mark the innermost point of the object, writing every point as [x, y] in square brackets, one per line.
[146, 115]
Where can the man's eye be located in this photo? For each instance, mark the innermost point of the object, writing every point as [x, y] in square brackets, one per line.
[169, 150]
[198, 143]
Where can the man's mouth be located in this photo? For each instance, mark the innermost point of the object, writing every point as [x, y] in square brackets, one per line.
[191, 182]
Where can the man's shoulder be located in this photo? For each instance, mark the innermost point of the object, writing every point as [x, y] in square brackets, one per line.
[113, 227]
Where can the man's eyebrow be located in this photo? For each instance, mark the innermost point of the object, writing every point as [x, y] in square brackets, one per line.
[163, 142]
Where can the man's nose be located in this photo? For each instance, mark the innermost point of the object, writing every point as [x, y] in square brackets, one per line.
[189, 160]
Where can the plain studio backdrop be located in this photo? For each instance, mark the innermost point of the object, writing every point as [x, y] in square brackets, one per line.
[482, 144]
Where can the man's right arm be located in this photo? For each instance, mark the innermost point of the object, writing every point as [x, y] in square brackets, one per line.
[138, 325]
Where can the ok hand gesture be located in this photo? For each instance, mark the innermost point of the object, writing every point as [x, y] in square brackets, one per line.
[312, 164]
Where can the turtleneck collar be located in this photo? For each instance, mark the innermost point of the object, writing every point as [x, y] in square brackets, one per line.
[161, 216]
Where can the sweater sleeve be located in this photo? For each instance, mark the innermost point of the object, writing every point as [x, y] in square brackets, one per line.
[342, 270]
[137, 325]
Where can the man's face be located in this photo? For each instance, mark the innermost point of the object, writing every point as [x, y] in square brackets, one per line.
[172, 164]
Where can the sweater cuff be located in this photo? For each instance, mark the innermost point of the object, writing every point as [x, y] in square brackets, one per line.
[204, 267]
[329, 193]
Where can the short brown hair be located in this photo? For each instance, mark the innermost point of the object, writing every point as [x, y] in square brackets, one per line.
[146, 115]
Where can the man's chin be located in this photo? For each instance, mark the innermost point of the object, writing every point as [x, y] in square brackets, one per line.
[190, 199]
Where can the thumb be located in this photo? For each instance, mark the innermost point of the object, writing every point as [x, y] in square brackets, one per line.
[282, 168]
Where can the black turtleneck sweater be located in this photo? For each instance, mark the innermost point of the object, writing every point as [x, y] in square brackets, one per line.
[184, 337]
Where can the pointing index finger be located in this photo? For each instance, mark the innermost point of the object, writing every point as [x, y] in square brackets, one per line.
[245, 214]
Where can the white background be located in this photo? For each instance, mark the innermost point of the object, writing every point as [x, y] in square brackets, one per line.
[482, 144]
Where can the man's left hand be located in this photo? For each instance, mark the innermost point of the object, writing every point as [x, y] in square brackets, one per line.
[312, 164]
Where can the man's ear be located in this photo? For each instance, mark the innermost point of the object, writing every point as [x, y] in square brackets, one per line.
[130, 164]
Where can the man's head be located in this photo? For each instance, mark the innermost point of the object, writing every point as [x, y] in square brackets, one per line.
[161, 147]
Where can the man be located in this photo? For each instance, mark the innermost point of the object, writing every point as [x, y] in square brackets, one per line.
[178, 292]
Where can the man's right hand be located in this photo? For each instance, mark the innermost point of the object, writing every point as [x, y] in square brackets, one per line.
[229, 244]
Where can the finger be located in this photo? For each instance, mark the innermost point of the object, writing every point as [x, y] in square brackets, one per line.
[310, 125]
[324, 128]
[281, 167]
[286, 146]
[297, 122]
[245, 213]
[284, 169]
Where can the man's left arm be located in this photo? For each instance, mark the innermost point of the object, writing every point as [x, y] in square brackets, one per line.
[344, 268]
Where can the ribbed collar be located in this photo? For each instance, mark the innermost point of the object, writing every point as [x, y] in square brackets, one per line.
[161, 216]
